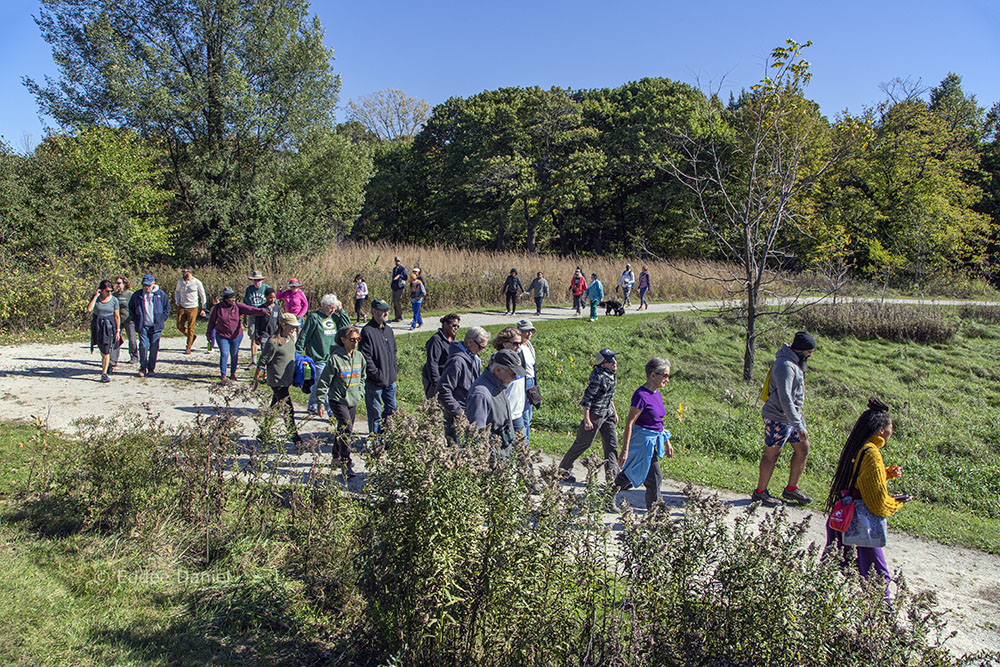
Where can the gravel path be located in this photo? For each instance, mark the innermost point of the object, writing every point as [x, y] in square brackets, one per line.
[59, 383]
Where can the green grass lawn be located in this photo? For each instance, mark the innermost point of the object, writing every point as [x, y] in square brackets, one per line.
[944, 399]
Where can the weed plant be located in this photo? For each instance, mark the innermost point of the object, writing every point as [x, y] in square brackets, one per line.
[446, 556]
[888, 321]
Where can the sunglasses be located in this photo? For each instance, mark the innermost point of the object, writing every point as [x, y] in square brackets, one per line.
[354, 338]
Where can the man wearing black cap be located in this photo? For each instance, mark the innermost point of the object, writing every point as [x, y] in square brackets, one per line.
[378, 346]
[783, 421]
[599, 415]
[397, 285]
[487, 403]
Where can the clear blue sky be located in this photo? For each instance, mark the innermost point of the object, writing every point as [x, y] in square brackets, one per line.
[436, 50]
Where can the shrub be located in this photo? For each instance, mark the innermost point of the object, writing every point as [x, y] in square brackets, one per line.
[867, 320]
[982, 314]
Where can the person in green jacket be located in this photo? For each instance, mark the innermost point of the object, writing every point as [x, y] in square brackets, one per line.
[318, 337]
[341, 386]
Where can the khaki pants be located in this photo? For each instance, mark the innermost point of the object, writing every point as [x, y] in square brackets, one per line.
[186, 317]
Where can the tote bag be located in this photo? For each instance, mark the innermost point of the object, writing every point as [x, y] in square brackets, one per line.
[867, 528]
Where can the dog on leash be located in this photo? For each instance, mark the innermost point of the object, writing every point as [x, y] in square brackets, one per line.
[612, 307]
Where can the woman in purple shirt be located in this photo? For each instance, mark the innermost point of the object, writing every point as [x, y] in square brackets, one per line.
[224, 323]
[645, 441]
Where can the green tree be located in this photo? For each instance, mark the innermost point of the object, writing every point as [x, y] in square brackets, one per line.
[228, 86]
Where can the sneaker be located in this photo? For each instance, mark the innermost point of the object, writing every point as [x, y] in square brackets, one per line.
[149, 374]
[796, 496]
[568, 477]
[765, 499]
[105, 378]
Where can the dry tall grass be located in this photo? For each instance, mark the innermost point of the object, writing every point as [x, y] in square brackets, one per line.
[455, 278]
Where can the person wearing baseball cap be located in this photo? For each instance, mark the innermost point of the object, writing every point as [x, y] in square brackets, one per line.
[151, 308]
[599, 415]
[378, 345]
[277, 358]
[295, 299]
[784, 396]
[254, 295]
[487, 404]
[533, 396]
[397, 284]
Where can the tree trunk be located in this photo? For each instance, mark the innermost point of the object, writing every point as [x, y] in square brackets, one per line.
[750, 350]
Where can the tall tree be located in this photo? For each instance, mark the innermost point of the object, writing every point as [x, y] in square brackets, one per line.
[228, 86]
[389, 114]
[748, 170]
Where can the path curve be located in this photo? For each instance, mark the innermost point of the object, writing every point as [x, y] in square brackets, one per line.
[59, 383]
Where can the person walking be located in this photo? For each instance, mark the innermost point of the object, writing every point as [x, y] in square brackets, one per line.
[340, 386]
[360, 296]
[378, 345]
[123, 293]
[783, 420]
[277, 359]
[577, 287]
[265, 326]
[225, 329]
[599, 416]
[460, 371]
[862, 472]
[594, 293]
[487, 405]
[644, 440]
[626, 282]
[539, 289]
[644, 286]
[528, 360]
[317, 338]
[510, 339]
[189, 295]
[150, 308]
[295, 299]
[105, 327]
[254, 295]
[436, 353]
[512, 287]
[418, 292]
[398, 285]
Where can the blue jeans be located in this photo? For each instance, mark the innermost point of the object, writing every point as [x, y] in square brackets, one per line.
[149, 348]
[417, 320]
[318, 367]
[380, 402]
[229, 350]
[529, 410]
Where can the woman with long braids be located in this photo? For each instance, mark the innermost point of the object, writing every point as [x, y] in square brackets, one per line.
[862, 453]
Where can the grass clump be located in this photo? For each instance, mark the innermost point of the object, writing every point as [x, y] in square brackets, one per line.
[888, 321]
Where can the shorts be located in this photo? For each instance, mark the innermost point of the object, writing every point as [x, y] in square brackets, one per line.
[777, 434]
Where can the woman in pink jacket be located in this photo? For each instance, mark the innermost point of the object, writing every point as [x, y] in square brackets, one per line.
[295, 299]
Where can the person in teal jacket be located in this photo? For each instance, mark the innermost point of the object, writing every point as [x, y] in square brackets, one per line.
[594, 294]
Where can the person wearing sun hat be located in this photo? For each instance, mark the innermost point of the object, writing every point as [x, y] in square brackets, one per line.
[784, 396]
[224, 327]
[277, 358]
[150, 307]
[378, 345]
[295, 299]
[599, 415]
[254, 295]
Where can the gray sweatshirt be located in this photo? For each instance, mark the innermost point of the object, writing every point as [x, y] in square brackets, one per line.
[460, 371]
[787, 390]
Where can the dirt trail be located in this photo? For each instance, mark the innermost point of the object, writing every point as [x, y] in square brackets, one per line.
[59, 383]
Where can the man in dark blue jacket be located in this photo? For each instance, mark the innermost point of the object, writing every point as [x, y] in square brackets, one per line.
[397, 285]
[149, 309]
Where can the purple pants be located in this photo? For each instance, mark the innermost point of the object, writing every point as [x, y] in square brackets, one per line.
[867, 557]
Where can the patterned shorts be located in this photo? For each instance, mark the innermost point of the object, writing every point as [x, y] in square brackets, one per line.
[776, 433]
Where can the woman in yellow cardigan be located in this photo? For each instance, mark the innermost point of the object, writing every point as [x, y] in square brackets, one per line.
[870, 433]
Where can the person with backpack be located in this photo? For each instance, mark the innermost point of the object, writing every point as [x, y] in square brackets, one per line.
[863, 474]
[784, 396]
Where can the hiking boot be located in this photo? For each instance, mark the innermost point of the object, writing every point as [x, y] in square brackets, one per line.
[796, 496]
[765, 499]
[105, 378]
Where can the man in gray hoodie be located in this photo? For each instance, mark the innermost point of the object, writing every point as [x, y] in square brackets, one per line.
[460, 371]
[783, 421]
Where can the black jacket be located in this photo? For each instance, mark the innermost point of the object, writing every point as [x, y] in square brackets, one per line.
[378, 346]
[436, 348]
[513, 285]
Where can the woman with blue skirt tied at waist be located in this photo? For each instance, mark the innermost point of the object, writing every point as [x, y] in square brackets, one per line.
[645, 441]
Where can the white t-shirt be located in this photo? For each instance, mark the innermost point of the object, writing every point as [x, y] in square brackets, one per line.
[528, 354]
[515, 398]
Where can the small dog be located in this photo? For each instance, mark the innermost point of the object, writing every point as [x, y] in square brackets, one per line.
[612, 307]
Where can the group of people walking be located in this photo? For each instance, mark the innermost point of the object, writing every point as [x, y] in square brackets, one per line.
[584, 293]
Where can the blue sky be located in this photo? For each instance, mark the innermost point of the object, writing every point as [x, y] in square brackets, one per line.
[436, 50]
